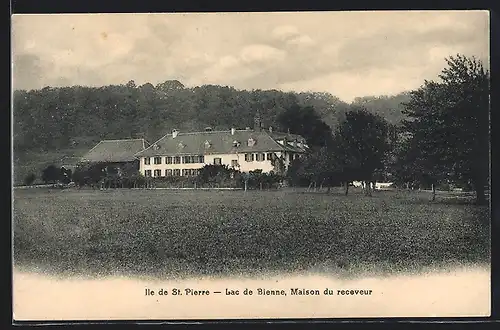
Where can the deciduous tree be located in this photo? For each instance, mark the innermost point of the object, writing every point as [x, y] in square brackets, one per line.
[449, 125]
[360, 145]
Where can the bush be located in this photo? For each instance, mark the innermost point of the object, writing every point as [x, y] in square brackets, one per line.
[259, 180]
[218, 176]
[51, 174]
[29, 179]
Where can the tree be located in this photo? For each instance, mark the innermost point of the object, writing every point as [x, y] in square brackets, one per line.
[306, 122]
[278, 164]
[169, 85]
[51, 174]
[449, 125]
[216, 175]
[29, 179]
[89, 173]
[420, 160]
[360, 146]
[317, 168]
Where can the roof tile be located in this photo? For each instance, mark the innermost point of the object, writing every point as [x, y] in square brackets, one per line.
[115, 151]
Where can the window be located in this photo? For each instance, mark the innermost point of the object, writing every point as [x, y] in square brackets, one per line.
[234, 163]
[217, 161]
[249, 157]
[189, 172]
[157, 173]
[251, 142]
[260, 157]
[147, 161]
[186, 159]
[269, 156]
[177, 172]
[207, 144]
[236, 144]
[201, 159]
[147, 173]
[177, 160]
[168, 172]
[168, 160]
[157, 160]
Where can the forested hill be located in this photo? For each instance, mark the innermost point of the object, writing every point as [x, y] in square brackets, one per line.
[55, 118]
[389, 107]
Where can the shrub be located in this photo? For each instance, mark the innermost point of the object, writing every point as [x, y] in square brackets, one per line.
[218, 176]
[29, 179]
[51, 174]
[257, 180]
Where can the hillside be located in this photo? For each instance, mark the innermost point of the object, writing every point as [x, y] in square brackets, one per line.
[389, 107]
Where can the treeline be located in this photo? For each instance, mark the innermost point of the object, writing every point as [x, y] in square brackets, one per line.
[58, 118]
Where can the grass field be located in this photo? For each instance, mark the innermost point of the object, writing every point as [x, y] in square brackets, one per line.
[180, 233]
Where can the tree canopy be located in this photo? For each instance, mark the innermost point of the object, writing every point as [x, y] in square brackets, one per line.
[448, 126]
[306, 122]
[360, 145]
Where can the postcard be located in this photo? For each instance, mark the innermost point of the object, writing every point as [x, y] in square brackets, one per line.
[250, 165]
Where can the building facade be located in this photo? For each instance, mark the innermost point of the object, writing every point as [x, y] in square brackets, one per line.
[184, 154]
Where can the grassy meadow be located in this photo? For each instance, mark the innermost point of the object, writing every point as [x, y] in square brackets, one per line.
[167, 233]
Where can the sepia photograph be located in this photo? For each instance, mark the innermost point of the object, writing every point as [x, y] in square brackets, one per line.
[250, 165]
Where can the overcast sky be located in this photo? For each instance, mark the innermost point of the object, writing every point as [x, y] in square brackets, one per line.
[348, 54]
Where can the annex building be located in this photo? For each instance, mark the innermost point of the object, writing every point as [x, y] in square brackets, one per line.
[116, 154]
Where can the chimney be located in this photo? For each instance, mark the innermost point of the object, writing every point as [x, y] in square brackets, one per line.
[232, 131]
[174, 133]
[270, 129]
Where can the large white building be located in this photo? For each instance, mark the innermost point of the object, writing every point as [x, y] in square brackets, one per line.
[184, 153]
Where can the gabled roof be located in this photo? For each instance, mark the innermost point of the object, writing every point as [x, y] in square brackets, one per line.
[115, 151]
[69, 160]
[219, 142]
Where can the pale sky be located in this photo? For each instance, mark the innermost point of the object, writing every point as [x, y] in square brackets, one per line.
[347, 54]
